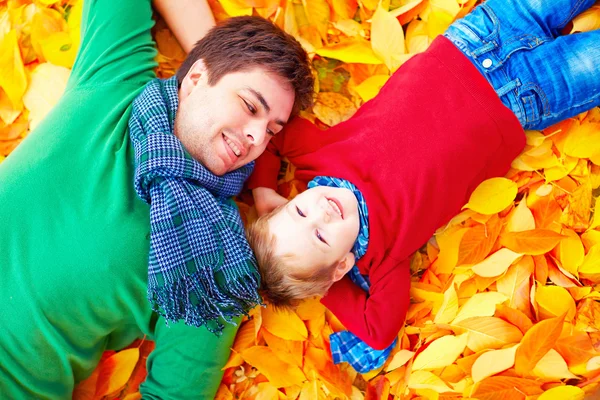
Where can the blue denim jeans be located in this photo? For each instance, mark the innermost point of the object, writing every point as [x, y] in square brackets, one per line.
[541, 76]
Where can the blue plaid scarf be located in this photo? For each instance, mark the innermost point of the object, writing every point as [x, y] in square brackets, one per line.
[346, 346]
[201, 268]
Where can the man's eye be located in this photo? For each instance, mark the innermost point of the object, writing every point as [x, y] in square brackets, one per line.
[321, 238]
[250, 107]
[300, 213]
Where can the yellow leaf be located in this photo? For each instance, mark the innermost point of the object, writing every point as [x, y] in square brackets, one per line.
[583, 140]
[399, 359]
[427, 380]
[492, 196]
[234, 9]
[371, 86]
[48, 82]
[318, 14]
[588, 20]
[590, 267]
[116, 370]
[493, 362]
[8, 112]
[536, 343]
[333, 108]
[351, 51]
[480, 305]
[279, 373]
[387, 38]
[438, 22]
[534, 242]
[449, 308]
[596, 219]
[554, 301]
[516, 317]
[593, 363]
[12, 71]
[59, 49]
[285, 324]
[570, 251]
[496, 264]
[563, 393]
[441, 352]
[553, 366]
[311, 390]
[521, 218]
[448, 242]
[489, 333]
[515, 284]
[417, 37]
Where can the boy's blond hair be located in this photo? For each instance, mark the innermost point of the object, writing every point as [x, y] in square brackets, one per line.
[283, 282]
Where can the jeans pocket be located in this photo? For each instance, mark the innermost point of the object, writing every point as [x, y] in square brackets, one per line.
[530, 108]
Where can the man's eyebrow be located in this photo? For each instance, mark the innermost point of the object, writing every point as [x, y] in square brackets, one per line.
[264, 103]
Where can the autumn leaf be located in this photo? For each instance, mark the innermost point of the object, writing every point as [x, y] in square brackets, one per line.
[553, 366]
[441, 352]
[563, 393]
[283, 323]
[478, 241]
[12, 71]
[533, 242]
[493, 362]
[387, 38]
[426, 380]
[588, 20]
[279, 373]
[496, 264]
[554, 301]
[489, 333]
[480, 305]
[506, 388]
[351, 51]
[536, 343]
[115, 371]
[492, 196]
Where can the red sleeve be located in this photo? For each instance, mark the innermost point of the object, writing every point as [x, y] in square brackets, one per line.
[376, 317]
[298, 138]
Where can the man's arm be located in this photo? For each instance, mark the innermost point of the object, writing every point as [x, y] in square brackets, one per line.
[189, 20]
[187, 361]
[375, 317]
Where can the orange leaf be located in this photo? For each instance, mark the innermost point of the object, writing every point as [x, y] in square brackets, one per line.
[534, 242]
[546, 211]
[279, 373]
[506, 388]
[378, 389]
[115, 371]
[477, 242]
[319, 360]
[536, 343]
[515, 317]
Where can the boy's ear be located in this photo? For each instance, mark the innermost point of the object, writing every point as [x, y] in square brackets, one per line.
[197, 73]
[343, 266]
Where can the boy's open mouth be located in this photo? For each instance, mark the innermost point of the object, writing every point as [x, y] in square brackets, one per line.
[336, 205]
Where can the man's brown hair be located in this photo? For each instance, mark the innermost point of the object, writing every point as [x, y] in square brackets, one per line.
[283, 282]
[242, 43]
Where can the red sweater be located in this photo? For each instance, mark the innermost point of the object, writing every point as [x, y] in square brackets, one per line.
[416, 151]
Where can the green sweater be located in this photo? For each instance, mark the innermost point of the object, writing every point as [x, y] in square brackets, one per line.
[74, 237]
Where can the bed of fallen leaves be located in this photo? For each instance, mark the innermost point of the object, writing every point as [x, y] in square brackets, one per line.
[505, 297]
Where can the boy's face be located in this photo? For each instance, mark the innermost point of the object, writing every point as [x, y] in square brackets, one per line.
[319, 227]
[229, 124]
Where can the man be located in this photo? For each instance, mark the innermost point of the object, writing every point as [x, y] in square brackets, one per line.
[74, 237]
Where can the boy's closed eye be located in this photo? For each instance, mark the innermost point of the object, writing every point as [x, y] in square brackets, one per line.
[317, 233]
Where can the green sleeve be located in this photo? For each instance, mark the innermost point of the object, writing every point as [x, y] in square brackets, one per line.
[187, 362]
[116, 43]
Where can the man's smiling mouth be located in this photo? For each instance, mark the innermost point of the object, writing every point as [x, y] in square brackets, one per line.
[236, 150]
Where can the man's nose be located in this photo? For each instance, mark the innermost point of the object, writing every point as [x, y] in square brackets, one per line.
[256, 133]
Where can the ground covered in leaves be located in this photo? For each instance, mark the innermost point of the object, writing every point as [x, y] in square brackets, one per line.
[505, 297]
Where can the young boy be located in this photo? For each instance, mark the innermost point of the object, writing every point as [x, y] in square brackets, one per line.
[405, 163]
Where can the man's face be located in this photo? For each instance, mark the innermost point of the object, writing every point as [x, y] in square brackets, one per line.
[228, 125]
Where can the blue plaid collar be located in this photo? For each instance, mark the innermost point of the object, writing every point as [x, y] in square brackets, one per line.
[362, 241]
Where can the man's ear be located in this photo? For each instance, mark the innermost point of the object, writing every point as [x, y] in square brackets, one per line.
[196, 74]
[343, 266]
